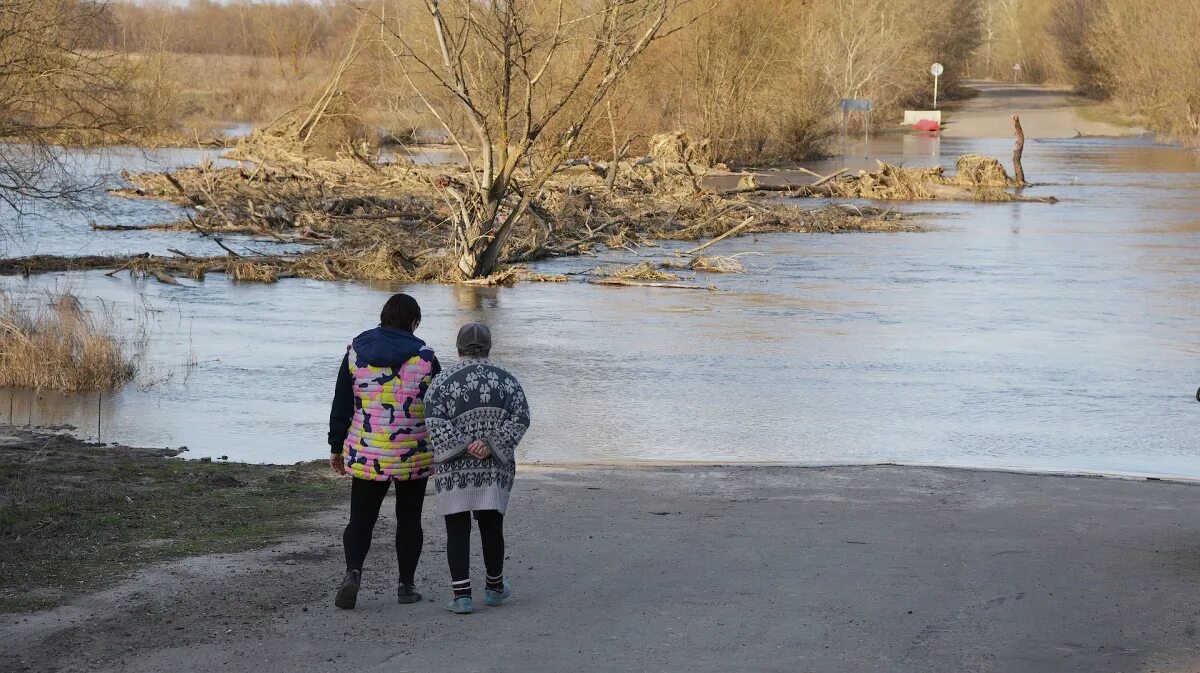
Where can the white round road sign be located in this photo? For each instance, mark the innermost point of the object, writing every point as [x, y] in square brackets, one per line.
[936, 69]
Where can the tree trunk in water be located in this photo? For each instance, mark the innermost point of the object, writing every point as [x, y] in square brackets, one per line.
[473, 259]
[468, 262]
[1018, 149]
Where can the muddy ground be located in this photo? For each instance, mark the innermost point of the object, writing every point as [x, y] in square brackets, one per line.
[75, 516]
[871, 569]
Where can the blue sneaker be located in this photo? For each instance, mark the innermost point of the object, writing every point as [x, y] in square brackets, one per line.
[461, 606]
[494, 598]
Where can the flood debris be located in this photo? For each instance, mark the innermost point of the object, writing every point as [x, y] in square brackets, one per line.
[976, 178]
[730, 264]
[534, 277]
[643, 274]
[627, 282]
[640, 271]
[355, 219]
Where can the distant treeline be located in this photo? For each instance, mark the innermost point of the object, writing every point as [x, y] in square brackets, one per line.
[1143, 55]
[759, 79]
[289, 32]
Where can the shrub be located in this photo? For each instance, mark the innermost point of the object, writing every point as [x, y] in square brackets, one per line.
[57, 344]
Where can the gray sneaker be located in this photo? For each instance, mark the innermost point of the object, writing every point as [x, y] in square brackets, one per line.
[347, 594]
[497, 598]
[461, 605]
[407, 593]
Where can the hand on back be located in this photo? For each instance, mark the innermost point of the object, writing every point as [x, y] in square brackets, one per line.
[479, 449]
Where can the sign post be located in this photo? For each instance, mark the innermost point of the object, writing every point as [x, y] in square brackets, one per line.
[936, 70]
[864, 106]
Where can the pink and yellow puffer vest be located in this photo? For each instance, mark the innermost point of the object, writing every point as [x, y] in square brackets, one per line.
[387, 432]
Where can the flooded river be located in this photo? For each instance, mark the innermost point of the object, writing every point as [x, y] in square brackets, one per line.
[1035, 336]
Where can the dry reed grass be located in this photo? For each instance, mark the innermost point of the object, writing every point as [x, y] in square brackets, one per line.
[382, 261]
[251, 272]
[533, 277]
[642, 271]
[717, 264]
[56, 344]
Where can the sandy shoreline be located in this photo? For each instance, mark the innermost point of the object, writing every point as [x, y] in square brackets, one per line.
[700, 569]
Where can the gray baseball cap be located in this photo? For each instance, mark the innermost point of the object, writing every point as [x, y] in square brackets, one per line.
[475, 334]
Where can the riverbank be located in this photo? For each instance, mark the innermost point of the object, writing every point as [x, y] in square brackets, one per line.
[693, 568]
[75, 516]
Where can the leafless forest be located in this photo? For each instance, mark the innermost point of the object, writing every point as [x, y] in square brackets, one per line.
[757, 78]
[522, 89]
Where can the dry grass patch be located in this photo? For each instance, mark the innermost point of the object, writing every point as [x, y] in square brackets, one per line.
[730, 264]
[642, 271]
[250, 272]
[717, 265]
[121, 508]
[534, 277]
[56, 344]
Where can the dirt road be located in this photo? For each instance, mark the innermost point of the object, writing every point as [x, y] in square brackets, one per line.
[875, 569]
[1046, 112]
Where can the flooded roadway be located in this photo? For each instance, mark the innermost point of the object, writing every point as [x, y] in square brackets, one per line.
[1034, 336]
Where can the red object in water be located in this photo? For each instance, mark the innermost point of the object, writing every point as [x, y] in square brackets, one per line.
[927, 125]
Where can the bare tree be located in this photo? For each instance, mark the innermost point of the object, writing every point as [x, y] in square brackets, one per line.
[53, 91]
[527, 76]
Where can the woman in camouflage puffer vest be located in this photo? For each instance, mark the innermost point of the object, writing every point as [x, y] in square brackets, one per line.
[377, 436]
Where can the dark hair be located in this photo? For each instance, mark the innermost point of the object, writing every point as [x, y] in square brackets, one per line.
[400, 312]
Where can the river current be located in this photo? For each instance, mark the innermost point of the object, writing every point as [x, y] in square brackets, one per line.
[1036, 336]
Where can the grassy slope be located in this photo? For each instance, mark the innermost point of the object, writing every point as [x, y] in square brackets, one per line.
[75, 518]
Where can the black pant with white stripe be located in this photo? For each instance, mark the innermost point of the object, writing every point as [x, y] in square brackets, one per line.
[458, 549]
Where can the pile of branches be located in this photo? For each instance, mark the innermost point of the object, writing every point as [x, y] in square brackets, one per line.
[976, 178]
[366, 221]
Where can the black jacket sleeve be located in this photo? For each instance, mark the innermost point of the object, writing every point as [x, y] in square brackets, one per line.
[436, 368]
[343, 407]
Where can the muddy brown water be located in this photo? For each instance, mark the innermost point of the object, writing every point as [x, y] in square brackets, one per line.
[1030, 336]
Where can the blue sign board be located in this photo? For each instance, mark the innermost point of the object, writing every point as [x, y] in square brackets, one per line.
[852, 104]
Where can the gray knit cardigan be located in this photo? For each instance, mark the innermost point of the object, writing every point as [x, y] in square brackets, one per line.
[474, 399]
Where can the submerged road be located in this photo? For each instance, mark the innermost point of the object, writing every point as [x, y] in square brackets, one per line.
[1045, 111]
[857, 569]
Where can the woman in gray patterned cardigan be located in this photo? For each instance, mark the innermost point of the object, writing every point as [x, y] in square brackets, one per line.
[476, 414]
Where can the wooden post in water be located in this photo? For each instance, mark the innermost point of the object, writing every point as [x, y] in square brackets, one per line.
[1018, 149]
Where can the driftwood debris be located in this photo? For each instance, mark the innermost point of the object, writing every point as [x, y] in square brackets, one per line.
[796, 190]
[831, 176]
[625, 282]
[394, 222]
[722, 237]
[976, 178]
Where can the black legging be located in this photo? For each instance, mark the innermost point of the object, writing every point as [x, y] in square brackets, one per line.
[366, 497]
[458, 543]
